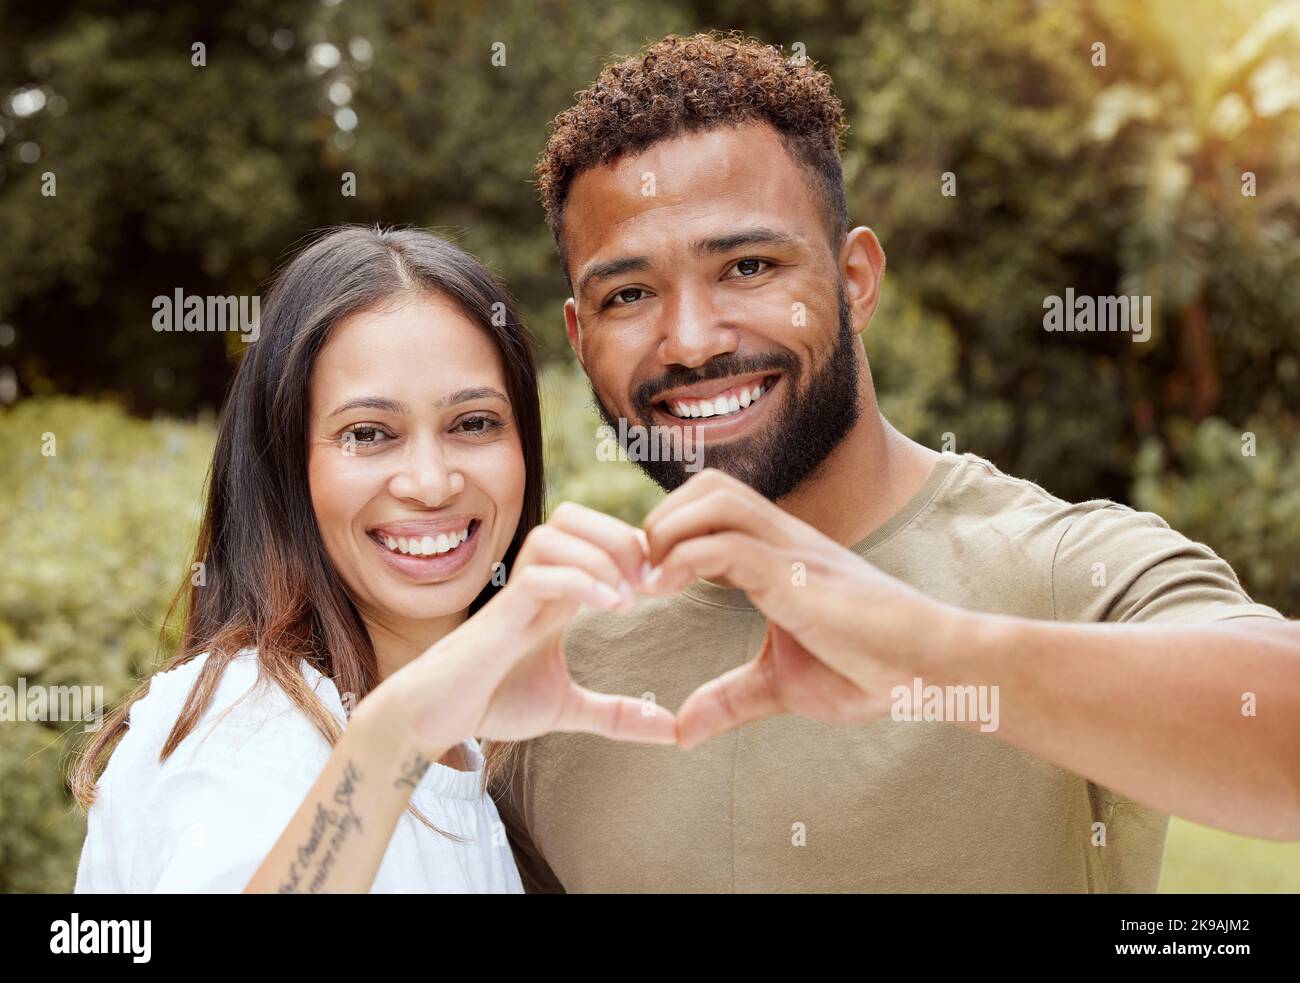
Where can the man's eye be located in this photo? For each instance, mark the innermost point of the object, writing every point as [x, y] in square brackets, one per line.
[628, 295]
[749, 267]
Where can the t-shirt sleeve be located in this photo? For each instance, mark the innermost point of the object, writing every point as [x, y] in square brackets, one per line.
[534, 872]
[1113, 563]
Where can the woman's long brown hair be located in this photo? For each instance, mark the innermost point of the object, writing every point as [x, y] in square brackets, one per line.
[269, 583]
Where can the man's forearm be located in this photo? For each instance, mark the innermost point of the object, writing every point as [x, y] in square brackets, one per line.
[1201, 721]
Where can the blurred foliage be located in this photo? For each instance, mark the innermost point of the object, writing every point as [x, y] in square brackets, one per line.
[1201, 860]
[1238, 490]
[573, 472]
[1122, 178]
[94, 541]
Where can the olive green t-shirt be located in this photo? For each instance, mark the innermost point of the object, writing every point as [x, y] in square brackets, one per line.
[792, 804]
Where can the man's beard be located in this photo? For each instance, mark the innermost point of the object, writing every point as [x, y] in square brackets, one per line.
[776, 461]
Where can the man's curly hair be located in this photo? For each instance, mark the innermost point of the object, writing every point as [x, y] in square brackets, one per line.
[678, 85]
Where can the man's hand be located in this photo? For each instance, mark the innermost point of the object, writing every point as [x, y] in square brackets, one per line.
[841, 634]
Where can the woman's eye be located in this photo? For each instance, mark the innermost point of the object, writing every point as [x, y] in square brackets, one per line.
[628, 295]
[749, 267]
[364, 434]
[479, 424]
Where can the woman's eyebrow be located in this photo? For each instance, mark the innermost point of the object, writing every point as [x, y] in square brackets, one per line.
[396, 406]
[465, 395]
[371, 403]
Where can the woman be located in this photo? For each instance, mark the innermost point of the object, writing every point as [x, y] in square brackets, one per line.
[377, 478]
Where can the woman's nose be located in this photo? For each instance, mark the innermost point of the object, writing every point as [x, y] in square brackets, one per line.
[427, 475]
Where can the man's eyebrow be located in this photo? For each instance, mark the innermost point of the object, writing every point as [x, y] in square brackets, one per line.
[758, 236]
[395, 406]
[615, 267]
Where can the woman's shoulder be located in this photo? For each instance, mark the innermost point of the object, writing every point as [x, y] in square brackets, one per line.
[247, 710]
[236, 775]
[250, 725]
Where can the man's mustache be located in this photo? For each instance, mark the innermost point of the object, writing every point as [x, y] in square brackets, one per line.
[717, 368]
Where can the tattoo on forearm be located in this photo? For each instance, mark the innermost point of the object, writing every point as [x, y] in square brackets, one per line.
[413, 771]
[334, 824]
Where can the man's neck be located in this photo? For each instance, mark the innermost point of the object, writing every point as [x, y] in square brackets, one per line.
[865, 480]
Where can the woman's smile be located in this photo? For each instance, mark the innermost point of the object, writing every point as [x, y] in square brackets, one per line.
[429, 550]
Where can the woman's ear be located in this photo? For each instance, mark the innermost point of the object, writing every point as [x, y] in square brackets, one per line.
[862, 267]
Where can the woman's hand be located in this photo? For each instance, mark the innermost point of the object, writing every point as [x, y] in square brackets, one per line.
[502, 674]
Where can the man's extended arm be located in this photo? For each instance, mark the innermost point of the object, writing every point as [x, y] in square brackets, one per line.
[1200, 720]
[1153, 711]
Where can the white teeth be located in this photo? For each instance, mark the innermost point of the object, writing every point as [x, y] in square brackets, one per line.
[425, 545]
[719, 406]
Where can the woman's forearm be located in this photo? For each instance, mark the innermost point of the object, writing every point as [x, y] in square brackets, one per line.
[338, 837]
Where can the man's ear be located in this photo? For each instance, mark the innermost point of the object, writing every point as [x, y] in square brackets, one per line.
[862, 267]
[573, 329]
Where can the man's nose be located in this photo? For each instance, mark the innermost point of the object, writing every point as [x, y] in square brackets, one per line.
[427, 474]
[694, 330]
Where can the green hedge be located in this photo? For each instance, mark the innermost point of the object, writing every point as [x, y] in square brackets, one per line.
[94, 540]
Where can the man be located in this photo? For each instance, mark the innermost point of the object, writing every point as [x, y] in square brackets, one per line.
[827, 576]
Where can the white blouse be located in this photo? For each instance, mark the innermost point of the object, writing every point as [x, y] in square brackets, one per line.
[205, 819]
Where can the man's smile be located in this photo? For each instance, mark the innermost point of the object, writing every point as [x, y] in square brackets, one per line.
[718, 407]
